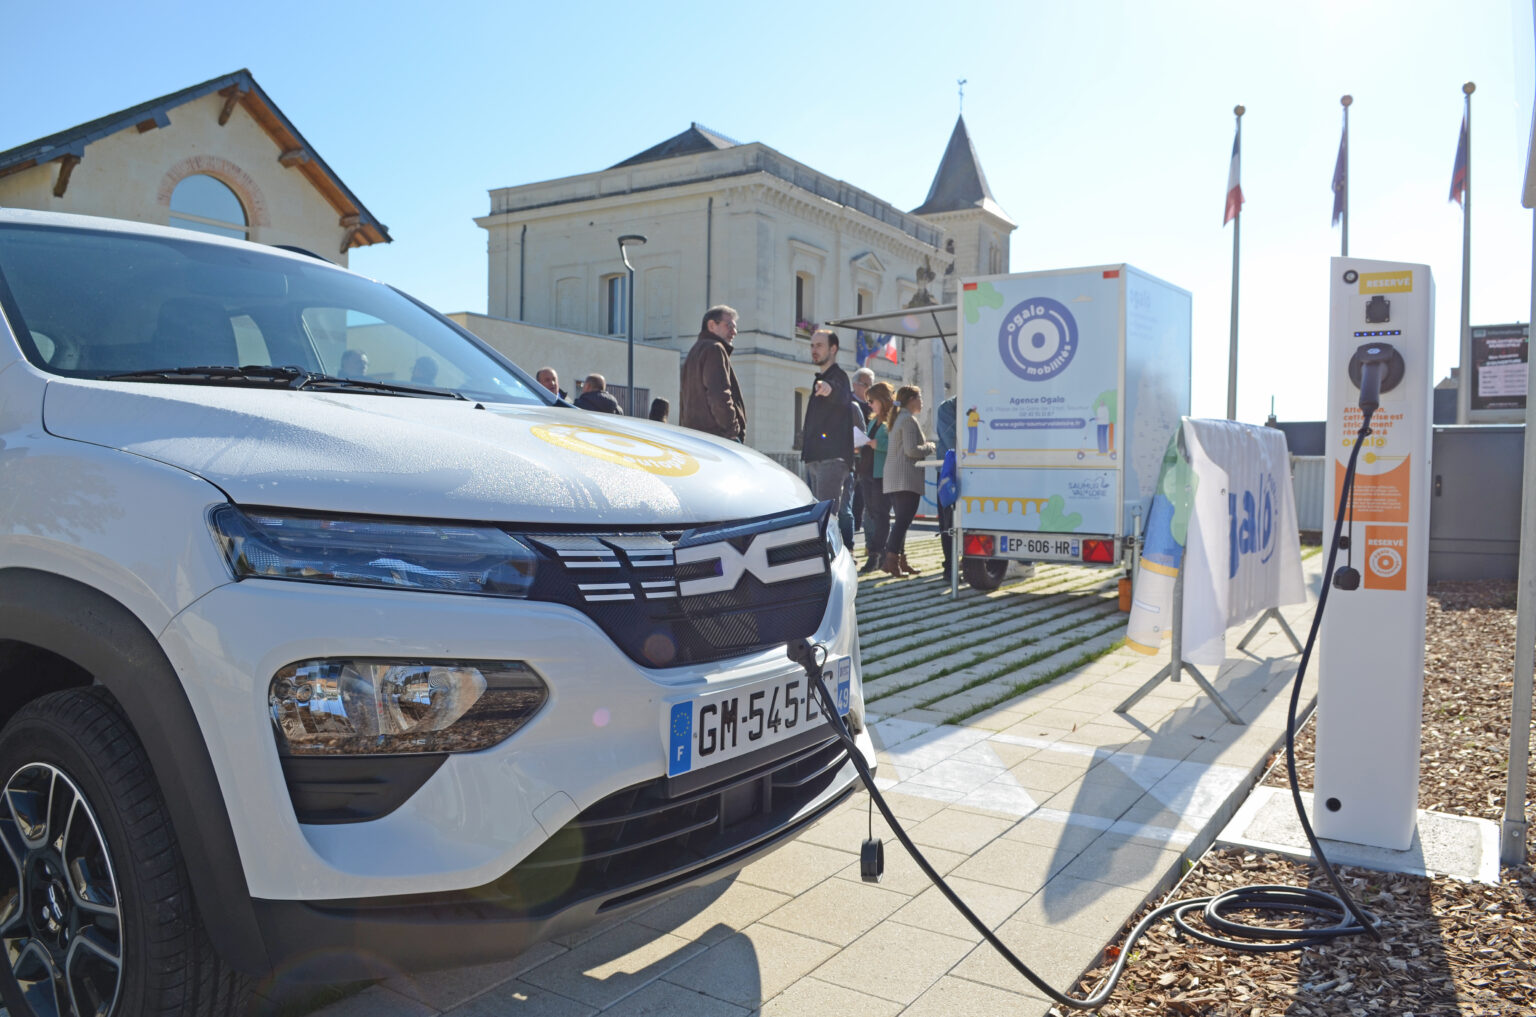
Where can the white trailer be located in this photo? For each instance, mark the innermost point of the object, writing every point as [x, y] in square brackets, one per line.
[1071, 384]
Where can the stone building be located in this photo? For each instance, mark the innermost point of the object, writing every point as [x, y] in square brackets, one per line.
[741, 224]
[218, 157]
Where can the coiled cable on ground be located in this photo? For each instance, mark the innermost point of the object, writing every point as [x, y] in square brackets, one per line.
[1346, 916]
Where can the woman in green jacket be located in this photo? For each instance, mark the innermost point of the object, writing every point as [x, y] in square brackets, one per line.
[877, 507]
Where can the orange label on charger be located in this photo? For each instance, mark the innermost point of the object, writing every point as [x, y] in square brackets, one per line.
[1386, 558]
[1379, 497]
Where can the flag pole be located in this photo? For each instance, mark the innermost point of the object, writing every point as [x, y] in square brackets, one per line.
[1464, 383]
[1237, 224]
[1346, 102]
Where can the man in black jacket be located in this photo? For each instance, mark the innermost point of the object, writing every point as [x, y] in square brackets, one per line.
[826, 442]
[595, 396]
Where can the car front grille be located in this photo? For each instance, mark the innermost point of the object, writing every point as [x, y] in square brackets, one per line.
[684, 597]
[640, 841]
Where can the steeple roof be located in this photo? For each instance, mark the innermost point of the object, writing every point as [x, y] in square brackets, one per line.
[960, 184]
[695, 139]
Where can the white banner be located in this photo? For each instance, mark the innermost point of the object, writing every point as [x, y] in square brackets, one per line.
[1243, 553]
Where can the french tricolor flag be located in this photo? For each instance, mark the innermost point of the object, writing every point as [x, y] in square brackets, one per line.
[1234, 186]
[1459, 171]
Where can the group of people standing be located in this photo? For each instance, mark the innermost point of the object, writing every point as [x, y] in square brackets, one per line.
[595, 395]
[860, 440]
[893, 484]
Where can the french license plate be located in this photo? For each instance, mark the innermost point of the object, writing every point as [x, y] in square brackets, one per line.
[712, 728]
[1039, 547]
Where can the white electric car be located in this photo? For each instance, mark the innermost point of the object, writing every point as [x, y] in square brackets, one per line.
[330, 641]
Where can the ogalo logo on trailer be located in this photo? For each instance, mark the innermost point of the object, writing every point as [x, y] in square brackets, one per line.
[1251, 523]
[1038, 339]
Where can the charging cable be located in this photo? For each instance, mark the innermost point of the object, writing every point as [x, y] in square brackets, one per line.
[1349, 919]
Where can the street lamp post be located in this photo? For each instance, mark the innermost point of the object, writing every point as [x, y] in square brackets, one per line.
[624, 242]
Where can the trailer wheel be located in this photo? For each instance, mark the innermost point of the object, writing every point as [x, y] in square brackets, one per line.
[984, 574]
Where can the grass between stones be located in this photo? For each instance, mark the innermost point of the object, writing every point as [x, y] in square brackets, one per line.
[1034, 658]
[1081, 660]
[1029, 611]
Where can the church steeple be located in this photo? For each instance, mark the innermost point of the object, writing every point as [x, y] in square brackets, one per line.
[960, 185]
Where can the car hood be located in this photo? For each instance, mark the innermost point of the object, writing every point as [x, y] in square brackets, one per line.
[426, 457]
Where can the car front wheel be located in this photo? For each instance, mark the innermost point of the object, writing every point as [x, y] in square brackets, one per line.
[96, 914]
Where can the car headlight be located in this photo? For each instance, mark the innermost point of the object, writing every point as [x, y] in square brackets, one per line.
[351, 707]
[441, 557]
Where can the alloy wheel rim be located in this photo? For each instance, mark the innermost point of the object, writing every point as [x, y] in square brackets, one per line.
[61, 927]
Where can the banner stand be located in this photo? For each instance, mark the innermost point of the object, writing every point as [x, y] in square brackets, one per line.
[1274, 613]
[1176, 664]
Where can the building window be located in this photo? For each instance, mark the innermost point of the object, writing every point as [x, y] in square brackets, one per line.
[614, 307]
[864, 301]
[805, 303]
[206, 204]
[800, 395]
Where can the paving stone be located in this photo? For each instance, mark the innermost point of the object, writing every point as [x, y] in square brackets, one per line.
[931, 910]
[957, 831]
[377, 1001]
[1013, 865]
[606, 968]
[708, 914]
[1100, 792]
[838, 911]
[1084, 906]
[814, 996]
[444, 990]
[796, 867]
[1056, 955]
[1110, 736]
[663, 999]
[902, 874]
[958, 776]
[961, 997]
[1122, 861]
[1004, 796]
[1042, 831]
[517, 998]
[1046, 777]
[1197, 789]
[908, 808]
[895, 962]
[846, 828]
[756, 964]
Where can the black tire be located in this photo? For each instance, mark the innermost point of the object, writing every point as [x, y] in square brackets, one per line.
[96, 913]
[984, 574]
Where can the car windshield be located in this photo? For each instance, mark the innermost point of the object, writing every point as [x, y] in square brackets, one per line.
[98, 304]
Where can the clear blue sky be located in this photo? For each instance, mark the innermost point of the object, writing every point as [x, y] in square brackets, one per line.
[1104, 128]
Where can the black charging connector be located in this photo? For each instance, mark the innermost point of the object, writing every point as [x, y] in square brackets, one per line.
[1376, 368]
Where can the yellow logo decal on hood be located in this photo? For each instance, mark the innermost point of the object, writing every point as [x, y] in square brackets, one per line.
[623, 449]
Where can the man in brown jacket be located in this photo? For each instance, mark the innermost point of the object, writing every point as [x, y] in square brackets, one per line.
[711, 396]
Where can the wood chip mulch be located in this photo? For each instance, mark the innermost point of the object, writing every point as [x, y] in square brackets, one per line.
[1451, 947]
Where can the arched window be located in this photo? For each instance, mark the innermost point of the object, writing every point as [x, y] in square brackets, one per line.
[206, 204]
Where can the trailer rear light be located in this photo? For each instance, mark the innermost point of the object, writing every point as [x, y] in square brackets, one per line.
[1099, 552]
[979, 544]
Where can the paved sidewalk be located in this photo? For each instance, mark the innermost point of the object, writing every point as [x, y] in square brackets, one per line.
[1054, 817]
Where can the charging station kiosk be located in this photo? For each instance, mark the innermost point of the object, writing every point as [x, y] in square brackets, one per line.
[1371, 668]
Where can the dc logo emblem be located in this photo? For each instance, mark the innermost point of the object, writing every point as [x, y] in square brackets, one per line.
[1386, 562]
[1038, 339]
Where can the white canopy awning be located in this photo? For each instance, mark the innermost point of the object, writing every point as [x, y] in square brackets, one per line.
[936, 321]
